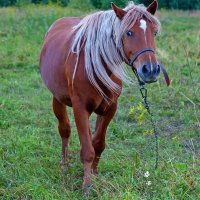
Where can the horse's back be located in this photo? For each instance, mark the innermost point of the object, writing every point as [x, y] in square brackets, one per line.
[62, 25]
[54, 54]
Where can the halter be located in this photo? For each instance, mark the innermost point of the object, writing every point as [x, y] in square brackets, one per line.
[136, 55]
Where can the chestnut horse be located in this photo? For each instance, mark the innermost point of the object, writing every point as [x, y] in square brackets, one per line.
[81, 63]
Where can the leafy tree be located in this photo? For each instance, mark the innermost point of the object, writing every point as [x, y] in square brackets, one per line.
[4, 3]
[97, 3]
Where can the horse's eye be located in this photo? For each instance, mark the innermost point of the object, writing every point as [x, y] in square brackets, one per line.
[129, 33]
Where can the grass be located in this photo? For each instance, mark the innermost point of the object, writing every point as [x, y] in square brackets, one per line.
[29, 141]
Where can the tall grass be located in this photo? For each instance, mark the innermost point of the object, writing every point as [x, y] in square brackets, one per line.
[29, 141]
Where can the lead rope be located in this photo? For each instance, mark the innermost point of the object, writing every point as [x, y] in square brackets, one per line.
[143, 92]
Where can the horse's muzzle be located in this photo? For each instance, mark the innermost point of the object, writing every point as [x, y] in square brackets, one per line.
[149, 72]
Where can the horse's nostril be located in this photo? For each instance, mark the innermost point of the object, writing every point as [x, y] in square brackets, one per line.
[144, 69]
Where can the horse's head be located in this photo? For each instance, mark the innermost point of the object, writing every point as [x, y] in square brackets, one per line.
[139, 42]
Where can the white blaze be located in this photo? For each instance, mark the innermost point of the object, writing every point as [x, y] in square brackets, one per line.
[151, 63]
[143, 25]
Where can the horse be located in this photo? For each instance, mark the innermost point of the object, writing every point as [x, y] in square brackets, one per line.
[82, 64]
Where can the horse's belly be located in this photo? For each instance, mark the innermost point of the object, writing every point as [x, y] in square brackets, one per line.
[56, 84]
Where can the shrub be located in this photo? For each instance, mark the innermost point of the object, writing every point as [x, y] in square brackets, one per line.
[106, 4]
[82, 5]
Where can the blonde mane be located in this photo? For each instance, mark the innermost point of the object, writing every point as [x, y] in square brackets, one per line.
[100, 35]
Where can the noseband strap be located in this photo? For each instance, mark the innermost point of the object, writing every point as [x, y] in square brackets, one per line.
[138, 53]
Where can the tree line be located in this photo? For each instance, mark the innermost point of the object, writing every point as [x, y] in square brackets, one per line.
[105, 4]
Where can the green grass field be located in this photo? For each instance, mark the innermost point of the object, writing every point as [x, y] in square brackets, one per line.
[29, 141]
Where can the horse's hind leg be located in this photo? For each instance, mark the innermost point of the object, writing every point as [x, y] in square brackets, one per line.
[98, 141]
[63, 127]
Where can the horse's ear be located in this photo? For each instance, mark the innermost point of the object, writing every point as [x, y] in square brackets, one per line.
[118, 11]
[153, 7]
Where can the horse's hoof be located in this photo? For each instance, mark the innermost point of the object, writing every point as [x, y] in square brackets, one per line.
[87, 189]
[63, 166]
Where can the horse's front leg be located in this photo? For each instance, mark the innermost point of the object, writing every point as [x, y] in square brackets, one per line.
[87, 151]
[98, 141]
